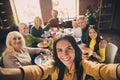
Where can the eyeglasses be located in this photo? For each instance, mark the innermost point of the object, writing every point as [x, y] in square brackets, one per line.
[15, 38]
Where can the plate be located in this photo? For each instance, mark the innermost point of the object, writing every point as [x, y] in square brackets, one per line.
[43, 44]
[41, 59]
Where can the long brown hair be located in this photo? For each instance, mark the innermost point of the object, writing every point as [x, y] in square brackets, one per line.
[96, 47]
[78, 58]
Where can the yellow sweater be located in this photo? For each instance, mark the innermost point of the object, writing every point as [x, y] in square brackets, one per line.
[101, 50]
[96, 70]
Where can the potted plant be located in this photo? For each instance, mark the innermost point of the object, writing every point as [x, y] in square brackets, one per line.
[92, 17]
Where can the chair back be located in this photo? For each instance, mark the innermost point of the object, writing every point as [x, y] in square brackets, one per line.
[111, 51]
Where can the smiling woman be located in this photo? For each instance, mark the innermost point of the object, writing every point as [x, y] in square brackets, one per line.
[16, 53]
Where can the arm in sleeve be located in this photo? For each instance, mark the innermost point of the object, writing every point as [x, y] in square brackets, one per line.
[34, 50]
[11, 61]
[100, 71]
[37, 39]
[102, 46]
[11, 74]
[38, 72]
[118, 72]
[32, 72]
[102, 54]
[38, 50]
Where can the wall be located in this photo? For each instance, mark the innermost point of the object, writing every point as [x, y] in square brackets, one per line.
[84, 4]
[46, 7]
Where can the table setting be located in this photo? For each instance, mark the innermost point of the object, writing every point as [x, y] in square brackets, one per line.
[42, 58]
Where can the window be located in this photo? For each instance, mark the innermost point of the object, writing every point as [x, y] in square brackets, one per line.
[67, 8]
[25, 10]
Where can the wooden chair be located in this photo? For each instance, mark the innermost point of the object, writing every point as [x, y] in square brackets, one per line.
[111, 51]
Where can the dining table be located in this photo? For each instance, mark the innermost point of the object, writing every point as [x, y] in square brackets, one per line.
[47, 43]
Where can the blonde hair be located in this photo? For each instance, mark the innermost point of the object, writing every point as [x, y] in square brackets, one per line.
[11, 35]
[55, 11]
[39, 19]
[20, 24]
[82, 17]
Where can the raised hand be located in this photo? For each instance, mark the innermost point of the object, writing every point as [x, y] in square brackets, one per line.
[102, 44]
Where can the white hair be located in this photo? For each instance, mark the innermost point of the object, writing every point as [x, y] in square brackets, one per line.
[81, 17]
[10, 37]
[22, 23]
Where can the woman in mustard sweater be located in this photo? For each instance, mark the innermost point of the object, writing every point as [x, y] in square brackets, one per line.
[96, 44]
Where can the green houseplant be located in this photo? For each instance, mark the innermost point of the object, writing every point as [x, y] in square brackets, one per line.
[92, 17]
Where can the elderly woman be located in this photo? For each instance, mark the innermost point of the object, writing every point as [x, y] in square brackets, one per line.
[67, 64]
[17, 54]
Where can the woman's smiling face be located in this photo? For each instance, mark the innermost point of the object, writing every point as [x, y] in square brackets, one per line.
[16, 42]
[65, 52]
[92, 34]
